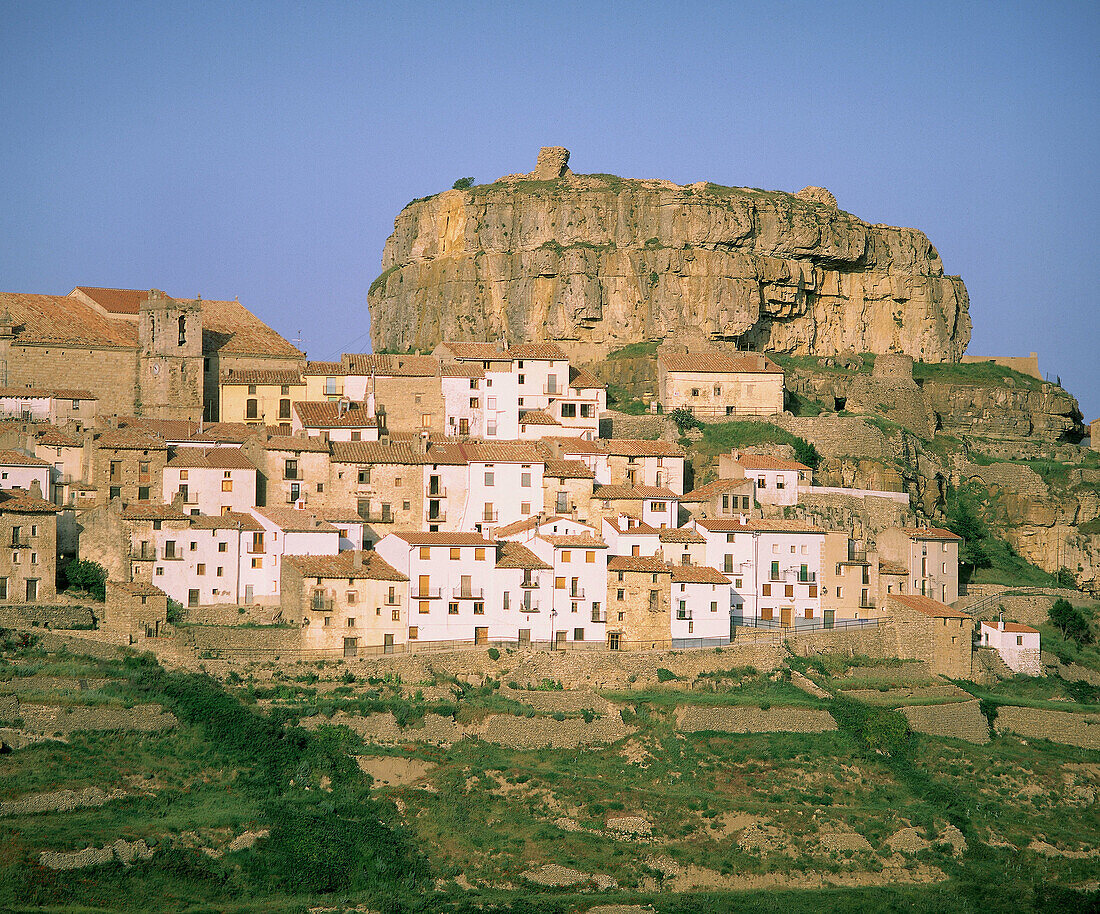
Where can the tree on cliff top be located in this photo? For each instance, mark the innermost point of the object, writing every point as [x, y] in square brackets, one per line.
[462, 184]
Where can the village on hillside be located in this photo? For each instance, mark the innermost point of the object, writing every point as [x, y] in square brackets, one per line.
[394, 503]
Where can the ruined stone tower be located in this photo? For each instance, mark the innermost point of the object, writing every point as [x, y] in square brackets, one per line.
[170, 366]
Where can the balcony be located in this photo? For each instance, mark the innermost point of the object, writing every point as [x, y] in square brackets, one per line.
[529, 584]
[866, 604]
[488, 517]
[427, 593]
[321, 605]
[303, 496]
[20, 542]
[143, 555]
[391, 601]
[468, 593]
[532, 607]
[683, 615]
[576, 593]
[436, 492]
[599, 617]
[292, 474]
[171, 555]
[438, 517]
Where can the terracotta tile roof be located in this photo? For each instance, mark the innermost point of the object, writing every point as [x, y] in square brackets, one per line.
[463, 370]
[499, 452]
[328, 414]
[137, 588]
[650, 563]
[719, 363]
[391, 366]
[20, 501]
[37, 393]
[16, 459]
[295, 444]
[697, 574]
[927, 605]
[634, 493]
[62, 319]
[681, 535]
[574, 541]
[718, 487]
[930, 533]
[583, 379]
[570, 445]
[60, 437]
[168, 429]
[129, 439]
[568, 469]
[756, 525]
[294, 521]
[231, 520]
[242, 376]
[323, 368]
[1012, 627]
[403, 453]
[767, 462]
[117, 301]
[370, 567]
[537, 417]
[634, 528]
[640, 447]
[482, 351]
[520, 526]
[516, 555]
[153, 511]
[234, 432]
[537, 352]
[216, 458]
[422, 538]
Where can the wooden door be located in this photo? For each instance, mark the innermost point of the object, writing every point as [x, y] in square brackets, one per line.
[785, 616]
[481, 634]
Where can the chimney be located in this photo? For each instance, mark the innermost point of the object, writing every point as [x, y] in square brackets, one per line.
[357, 558]
[369, 403]
[422, 441]
[36, 488]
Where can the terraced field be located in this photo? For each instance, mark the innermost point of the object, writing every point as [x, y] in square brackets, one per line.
[307, 788]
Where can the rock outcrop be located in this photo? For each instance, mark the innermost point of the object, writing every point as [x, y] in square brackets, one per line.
[598, 261]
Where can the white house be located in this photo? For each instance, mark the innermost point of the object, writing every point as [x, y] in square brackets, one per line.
[451, 583]
[504, 484]
[641, 462]
[524, 590]
[775, 566]
[19, 470]
[700, 606]
[683, 546]
[1017, 644]
[775, 480]
[462, 384]
[286, 531]
[210, 481]
[58, 407]
[626, 535]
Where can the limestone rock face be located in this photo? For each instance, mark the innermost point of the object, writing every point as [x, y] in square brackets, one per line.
[597, 262]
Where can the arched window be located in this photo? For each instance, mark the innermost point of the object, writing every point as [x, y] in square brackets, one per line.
[183, 329]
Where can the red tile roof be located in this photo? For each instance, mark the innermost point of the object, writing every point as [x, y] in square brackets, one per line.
[697, 574]
[120, 439]
[568, 469]
[718, 487]
[767, 462]
[1012, 627]
[640, 447]
[537, 352]
[482, 351]
[216, 458]
[333, 414]
[608, 493]
[583, 379]
[153, 511]
[927, 605]
[756, 525]
[137, 588]
[681, 535]
[15, 458]
[38, 393]
[60, 437]
[516, 555]
[930, 533]
[719, 363]
[323, 368]
[573, 540]
[537, 417]
[463, 370]
[295, 444]
[231, 520]
[294, 521]
[370, 567]
[391, 366]
[20, 501]
[402, 453]
[261, 376]
[650, 563]
[422, 538]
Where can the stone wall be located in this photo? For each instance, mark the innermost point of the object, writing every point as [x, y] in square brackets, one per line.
[110, 374]
[623, 425]
[643, 624]
[839, 436]
[1058, 726]
[53, 615]
[876, 641]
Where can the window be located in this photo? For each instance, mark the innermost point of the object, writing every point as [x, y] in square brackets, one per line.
[34, 558]
[221, 571]
[489, 478]
[473, 403]
[252, 408]
[788, 590]
[414, 632]
[284, 409]
[425, 420]
[619, 596]
[479, 553]
[766, 613]
[522, 379]
[395, 615]
[452, 609]
[590, 557]
[143, 493]
[257, 562]
[200, 568]
[569, 410]
[364, 475]
[3, 588]
[479, 608]
[566, 555]
[227, 485]
[116, 470]
[290, 469]
[761, 482]
[425, 552]
[775, 571]
[737, 582]
[559, 583]
[525, 507]
[455, 553]
[352, 597]
[525, 480]
[766, 590]
[222, 547]
[695, 391]
[424, 607]
[183, 474]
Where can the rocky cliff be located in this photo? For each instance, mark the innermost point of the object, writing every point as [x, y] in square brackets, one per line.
[600, 262]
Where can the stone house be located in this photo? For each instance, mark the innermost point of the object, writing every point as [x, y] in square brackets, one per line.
[713, 385]
[127, 464]
[567, 487]
[929, 630]
[292, 469]
[140, 542]
[28, 546]
[139, 352]
[133, 611]
[75, 407]
[1018, 645]
[407, 390]
[639, 462]
[931, 555]
[590, 453]
[451, 583]
[348, 604]
[335, 420]
[63, 449]
[639, 597]
[700, 606]
[210, 481]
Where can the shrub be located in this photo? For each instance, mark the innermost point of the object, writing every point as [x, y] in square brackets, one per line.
[1065, 578]
[462, 183]
[685, 419]
[664, 675]
[494, 654]
[1070, 621]
[84, 574]
[175, 611]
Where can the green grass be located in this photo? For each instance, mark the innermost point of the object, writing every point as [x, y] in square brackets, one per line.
[816, 363]
[646, 349]
[982, 374]
[720, 437]
[619, 398]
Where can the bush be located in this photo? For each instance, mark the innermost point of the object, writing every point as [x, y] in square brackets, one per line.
[1065, 578]
[494, 654]
[86, 575]
[175, 611]
[462, 184]
[685, 419]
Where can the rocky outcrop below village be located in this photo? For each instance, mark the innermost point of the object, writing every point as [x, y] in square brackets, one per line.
[598, 262]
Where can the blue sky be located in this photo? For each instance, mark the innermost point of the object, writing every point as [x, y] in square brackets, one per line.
[262, 150]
